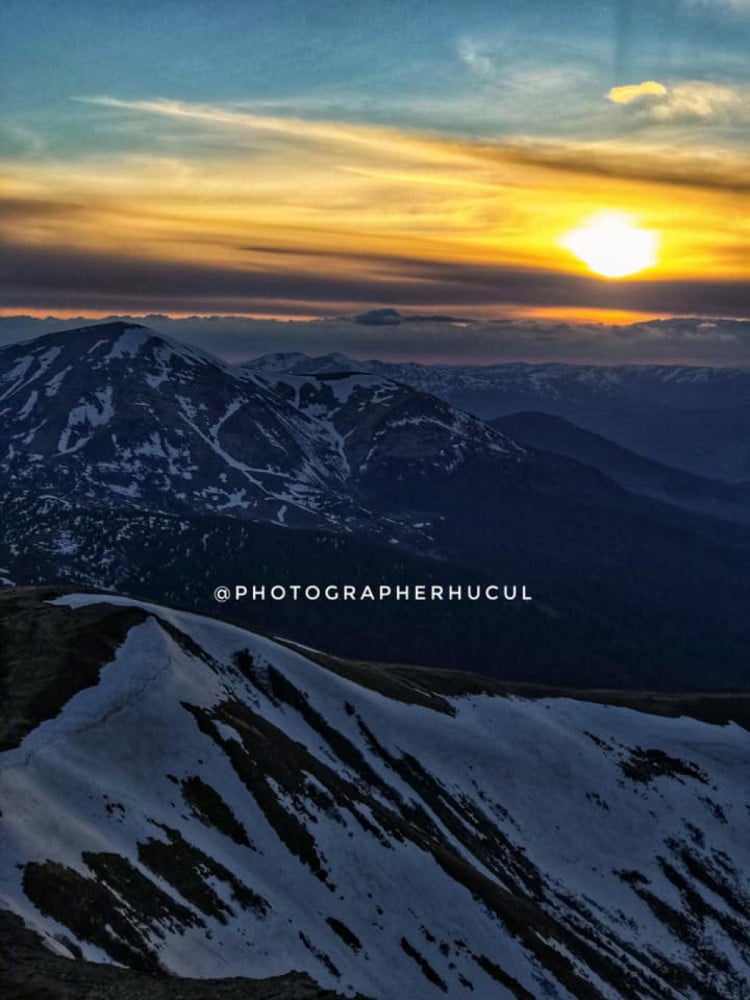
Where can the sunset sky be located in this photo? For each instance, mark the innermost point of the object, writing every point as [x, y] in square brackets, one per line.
[311, 158]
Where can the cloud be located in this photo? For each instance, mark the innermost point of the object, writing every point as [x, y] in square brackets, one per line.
[686, 101]
[472, 56]
[41, 278]
[709, 168]
[634, 91]
[237, 338]
[328, 133]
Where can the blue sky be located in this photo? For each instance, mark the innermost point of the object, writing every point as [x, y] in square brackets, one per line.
[466, 66]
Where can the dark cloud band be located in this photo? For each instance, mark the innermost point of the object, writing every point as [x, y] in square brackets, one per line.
[64, 279]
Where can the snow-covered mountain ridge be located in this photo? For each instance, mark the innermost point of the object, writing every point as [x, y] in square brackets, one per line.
[686, 385]
[123, 415]
[693, 417]
[197, 798]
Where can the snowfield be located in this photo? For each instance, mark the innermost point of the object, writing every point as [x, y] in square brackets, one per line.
[217, 804]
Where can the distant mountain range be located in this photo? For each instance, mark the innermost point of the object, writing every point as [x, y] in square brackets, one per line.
[627, 468]
[678, 386]
[133, 462]
[389, 832]
[695, 418]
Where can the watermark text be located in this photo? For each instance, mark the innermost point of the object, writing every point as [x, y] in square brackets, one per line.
[372, 592]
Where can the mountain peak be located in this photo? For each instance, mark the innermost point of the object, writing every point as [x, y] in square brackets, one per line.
[112, 327]
[88, 338]
[100, 344]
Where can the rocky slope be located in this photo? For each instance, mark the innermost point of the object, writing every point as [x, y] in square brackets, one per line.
[29, 969]
[181, 796]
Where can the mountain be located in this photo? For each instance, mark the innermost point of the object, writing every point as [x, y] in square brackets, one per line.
[121, 413]
[389, 831]
[132, 462]
[117, 412]
[694, 418]
[629, 469]
[683, 387]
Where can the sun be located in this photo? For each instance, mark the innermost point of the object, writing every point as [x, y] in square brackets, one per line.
[610, 244]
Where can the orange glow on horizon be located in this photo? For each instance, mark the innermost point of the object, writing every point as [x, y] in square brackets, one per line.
[552, 314]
